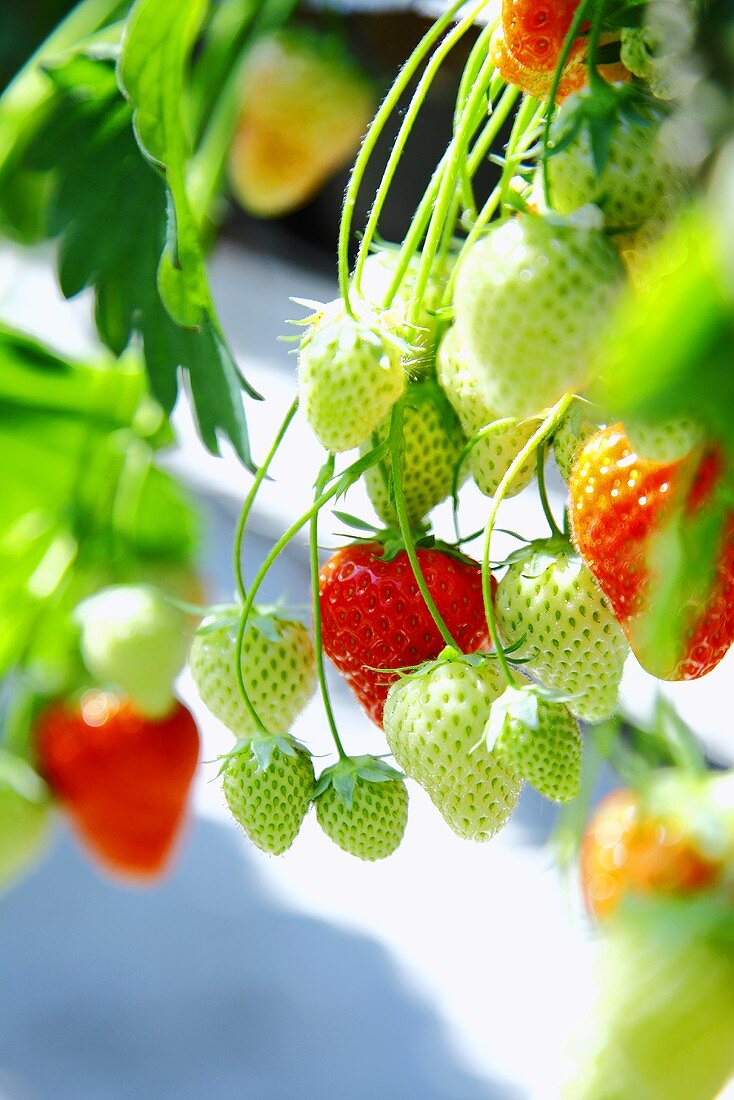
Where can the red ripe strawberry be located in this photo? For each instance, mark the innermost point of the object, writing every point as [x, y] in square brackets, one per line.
[123, 779]
[374, 617]
[619, 503]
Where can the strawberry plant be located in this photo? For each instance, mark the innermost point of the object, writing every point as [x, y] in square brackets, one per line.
[561, 301]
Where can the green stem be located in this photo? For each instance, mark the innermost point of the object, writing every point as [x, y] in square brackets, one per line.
[489, 429]
[522, 136]
[237, 564]
[395, 442]
[546, 428]
[543, 492]
[386, 108]
[456, 152]
[250, 500]
[338, 488]
[323, 479]
[568, 42]
[406, 126]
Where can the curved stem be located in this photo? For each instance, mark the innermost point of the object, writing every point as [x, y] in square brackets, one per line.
[538, 437]
[522, 136]
[568, 42]
[250, 500]
[406, 126]
[543, 492]
[237, 564]
[456, 152]
[337, 488]
[395, 442]
[386, 108]
[323, 479]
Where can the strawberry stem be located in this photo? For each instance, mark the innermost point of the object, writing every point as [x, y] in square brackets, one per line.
[403, 134]
[536, 440]
[543, 491]
[325, 475]
[456, 153]
[395, 443]
[377, 125]
[568, 42]
[250, 500]
[338, 487]
[237, 561]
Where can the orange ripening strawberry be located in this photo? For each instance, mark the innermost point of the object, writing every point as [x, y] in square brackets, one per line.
[631, 848]
[535, 31]
[123, 779]
[374, 618]
[619, 504]
[537, 82]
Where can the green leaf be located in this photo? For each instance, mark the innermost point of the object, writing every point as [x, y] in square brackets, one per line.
[108, 207]
[159, 37]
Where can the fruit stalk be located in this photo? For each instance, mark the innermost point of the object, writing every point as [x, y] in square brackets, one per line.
[325, 475]
[536, 440]
[395, 442]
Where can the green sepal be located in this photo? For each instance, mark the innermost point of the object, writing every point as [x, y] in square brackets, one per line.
[598, 111]
[519, 704]
[343, 776]
[260, 746]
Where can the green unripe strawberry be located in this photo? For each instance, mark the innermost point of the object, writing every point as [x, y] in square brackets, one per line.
[636, 174]
[349, 377]
[489, 458]
[278, 666]
[579, 424]
[268, 784]
[434, 723]
[362, 805]
[663, 1025]
[133, 639]
[546, 752]
[25, 821]
[531, 298]
[377, 276]
[432, 442]
[668, 441]
[549, 602]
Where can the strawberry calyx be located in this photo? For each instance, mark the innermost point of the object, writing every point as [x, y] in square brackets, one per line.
[343, 776]
[261, 746]
[597, 111]
[539, 555]
[519, 704]
[393, 543]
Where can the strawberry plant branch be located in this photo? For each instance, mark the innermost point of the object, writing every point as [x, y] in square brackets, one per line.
[422, 215]
[325, 475]
[406, 127]
[543, 491]
[484, 433]
[250, 500]
[523, 134]
[338, 487]
[457, 152]
[573, 30]
[377, 125]
[395, 443]
[237, 563]
[536, 440]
